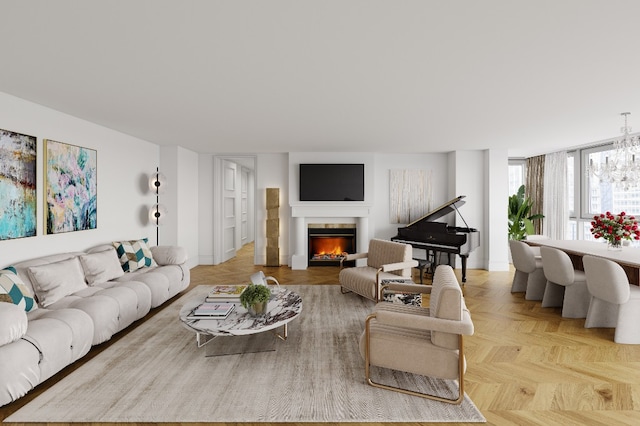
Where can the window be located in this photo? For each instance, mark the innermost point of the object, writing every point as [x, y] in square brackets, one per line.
[571, 183]
[516, 175]
[601, 195]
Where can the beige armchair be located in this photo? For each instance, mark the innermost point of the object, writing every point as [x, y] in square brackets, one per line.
[423, 341]
[386, 260]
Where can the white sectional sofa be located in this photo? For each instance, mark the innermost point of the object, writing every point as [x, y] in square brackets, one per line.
[61, 305]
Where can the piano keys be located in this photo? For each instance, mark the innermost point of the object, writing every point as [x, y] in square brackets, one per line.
[424, 233]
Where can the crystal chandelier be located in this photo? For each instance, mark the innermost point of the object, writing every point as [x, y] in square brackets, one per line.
[622, 167]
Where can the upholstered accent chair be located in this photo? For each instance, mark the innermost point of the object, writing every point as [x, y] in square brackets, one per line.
[386, 260]
[423, 341]
[566, 287]
[529, 276]
[614, 303]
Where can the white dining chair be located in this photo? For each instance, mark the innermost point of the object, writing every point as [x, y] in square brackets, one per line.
[614, 303]
[566, 286]
[529, 276]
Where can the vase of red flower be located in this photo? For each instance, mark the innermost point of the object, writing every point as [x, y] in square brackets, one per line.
[615, 228]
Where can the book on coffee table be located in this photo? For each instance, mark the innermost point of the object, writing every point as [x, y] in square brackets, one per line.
[229, 293]
[212, 310]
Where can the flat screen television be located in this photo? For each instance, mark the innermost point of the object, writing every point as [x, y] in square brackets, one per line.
[331, 182]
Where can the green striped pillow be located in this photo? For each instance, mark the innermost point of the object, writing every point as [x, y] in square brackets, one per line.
[134, 255]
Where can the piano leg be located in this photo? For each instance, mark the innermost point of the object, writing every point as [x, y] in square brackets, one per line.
[463, 258]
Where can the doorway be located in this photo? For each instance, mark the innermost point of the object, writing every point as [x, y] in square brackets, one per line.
[234, 205]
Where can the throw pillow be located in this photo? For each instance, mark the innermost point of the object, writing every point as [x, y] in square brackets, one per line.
[134, 254]
[54, 281]
[14, 290]
[101, 267]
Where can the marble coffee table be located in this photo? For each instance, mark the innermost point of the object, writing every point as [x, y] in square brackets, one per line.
[240, 332]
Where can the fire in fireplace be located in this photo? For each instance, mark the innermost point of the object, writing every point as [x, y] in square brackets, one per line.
[327, 246]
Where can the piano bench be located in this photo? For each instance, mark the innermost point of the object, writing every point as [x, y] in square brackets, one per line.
[422, 265]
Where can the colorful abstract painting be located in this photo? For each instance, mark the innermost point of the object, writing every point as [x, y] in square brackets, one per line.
[17, 185]
[71, 183]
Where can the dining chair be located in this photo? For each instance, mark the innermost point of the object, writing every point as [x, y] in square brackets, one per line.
[529, 276]
[614, 302]
[536, 237]
[566, 286]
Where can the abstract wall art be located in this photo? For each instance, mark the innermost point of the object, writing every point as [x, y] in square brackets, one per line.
[409, 195]
[71, 185]
[17, 185]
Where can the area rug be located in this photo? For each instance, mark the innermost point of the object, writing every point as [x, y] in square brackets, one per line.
[156, 373]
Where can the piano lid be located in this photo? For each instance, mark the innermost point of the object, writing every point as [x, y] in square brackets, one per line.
[443, 210]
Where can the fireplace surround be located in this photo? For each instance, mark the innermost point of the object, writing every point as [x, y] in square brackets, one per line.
[329, 213]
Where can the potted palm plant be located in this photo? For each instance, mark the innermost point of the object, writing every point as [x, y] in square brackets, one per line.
[520, 217]
[254, 298]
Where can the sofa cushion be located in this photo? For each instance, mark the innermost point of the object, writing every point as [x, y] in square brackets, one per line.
[101, 267]
[19, 369]
[13, 290]
[13, 323]
[54, 281]
[134, 254]
[169, 255]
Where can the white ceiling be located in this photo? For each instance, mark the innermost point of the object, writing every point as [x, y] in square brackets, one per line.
[332, 75]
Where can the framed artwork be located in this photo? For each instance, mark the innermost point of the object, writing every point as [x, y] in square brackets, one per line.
[71, 188]
[18, 154]
[409, 195]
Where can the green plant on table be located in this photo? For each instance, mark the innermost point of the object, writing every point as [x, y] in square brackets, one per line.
[520, 217]
[254, 293]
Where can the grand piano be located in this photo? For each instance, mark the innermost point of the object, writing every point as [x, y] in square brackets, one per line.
[436, 237]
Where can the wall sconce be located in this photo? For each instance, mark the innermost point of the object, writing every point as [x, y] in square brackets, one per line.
[157, 182]
[158, 185]
[157, 214]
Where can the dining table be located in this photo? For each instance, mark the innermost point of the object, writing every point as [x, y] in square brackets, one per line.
[626, 256]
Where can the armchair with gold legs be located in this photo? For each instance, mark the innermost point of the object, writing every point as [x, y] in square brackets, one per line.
[423, 341]
[386, 260]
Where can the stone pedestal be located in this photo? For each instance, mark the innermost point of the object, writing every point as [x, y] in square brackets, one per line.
[273, 226]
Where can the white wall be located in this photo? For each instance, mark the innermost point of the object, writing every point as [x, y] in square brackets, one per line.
[179, 165]
[469, 172]
[384, 163]
[205, 209]
[272, 172]
[496, 248]
[124, 166]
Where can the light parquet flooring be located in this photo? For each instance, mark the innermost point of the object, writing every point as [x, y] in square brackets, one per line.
[526, 365]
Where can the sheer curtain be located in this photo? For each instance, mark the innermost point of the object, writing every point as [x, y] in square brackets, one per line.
[555, 209]
[535, 187]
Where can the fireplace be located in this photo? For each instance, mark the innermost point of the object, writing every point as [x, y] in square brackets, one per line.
[328, 244]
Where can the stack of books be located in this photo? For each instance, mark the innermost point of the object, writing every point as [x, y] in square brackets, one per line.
[212, 310]
[225, 293]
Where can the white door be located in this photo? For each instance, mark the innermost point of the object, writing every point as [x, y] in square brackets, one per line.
[244, 208]
[229, 215]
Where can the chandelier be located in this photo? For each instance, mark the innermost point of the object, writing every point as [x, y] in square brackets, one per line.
[621, 168]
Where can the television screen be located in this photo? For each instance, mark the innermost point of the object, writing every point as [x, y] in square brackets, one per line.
[331, 182]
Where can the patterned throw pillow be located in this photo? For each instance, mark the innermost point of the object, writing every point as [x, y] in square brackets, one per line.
[14, 290]
[134, 255]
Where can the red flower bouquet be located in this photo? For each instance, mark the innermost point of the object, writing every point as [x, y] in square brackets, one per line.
[615, 228]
